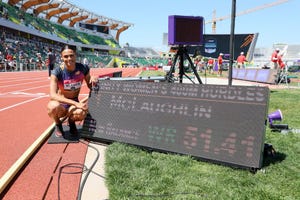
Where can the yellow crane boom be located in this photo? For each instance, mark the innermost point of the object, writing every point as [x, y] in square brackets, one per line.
[215, 19]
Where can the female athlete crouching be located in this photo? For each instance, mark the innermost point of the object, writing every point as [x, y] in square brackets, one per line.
[65, 84]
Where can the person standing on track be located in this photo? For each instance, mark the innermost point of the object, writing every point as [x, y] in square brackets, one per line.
[65, 84]
[51, 61]
[241, 59]
[39, 61]
[210, 65]
[220, 64]
[274, 58]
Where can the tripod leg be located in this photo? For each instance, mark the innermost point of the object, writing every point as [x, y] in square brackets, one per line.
[193, 68]
[181, 66]
[169, 75]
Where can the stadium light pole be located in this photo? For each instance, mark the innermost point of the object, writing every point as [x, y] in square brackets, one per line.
[231, 45]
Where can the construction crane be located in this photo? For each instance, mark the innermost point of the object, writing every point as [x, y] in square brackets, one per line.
[215, 19]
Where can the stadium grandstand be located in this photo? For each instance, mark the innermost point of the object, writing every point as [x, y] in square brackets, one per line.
[30, 27]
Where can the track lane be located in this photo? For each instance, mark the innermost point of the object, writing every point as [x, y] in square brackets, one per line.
[22, 125]
[23, 119]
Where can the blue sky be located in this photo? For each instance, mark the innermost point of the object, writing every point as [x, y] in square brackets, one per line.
[276, 24]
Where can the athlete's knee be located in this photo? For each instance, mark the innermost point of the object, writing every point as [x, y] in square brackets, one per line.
[55, 108]
[78, 115]
[52, 106]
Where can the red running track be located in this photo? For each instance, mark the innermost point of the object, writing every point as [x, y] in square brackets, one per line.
[23, 116]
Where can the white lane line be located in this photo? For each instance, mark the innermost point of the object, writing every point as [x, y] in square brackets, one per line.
[28, 94]
[27, 101]
[21, 94]
[6, 81]
[7, 93]
[6, 86]
[41, 86]
[21, 103]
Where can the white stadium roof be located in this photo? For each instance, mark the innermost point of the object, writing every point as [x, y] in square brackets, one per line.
[65, 12]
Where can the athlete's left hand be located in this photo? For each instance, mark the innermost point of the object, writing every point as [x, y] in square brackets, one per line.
[93, 80]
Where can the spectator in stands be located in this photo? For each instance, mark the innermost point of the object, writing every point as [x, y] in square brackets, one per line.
[85, 61]
[2, 64]
[10, 62]
[27, 63]
[220, 64]
[1, 9]
[3, 37]
[39, 61]
[274, 58]
[241, 59]
[65, 84]
[51, 59]
[21, 55]
[5, 51]
[5, 13]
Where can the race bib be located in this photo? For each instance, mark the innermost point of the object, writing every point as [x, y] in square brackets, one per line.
[72, 84]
